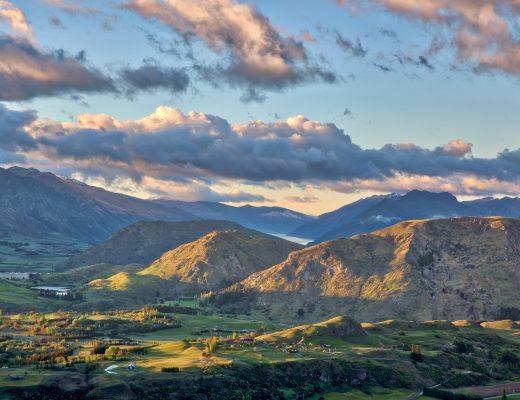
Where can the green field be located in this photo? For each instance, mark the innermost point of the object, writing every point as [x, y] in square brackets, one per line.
[24, 254]
[334, 359]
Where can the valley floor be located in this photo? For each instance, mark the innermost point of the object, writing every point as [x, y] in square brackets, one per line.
[184, 351]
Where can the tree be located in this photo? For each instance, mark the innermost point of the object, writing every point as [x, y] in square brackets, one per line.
[112, 352]
[504, 396]
[416, 354]
[211, 345]
[510, 359]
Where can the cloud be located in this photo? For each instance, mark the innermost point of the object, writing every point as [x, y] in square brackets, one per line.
[198, 149]
[460, 184]
[71, 8]
[149, 187]
[252, 95]
[353, 48]
[57, 22]
[382, 67]
[27, 72]
[17, 20]
[151, 76]
[13, 136]
[347, 112]
[256, 53]
[169, 143]
[483, 32]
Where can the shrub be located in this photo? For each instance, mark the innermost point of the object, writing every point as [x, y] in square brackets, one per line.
[170, 369]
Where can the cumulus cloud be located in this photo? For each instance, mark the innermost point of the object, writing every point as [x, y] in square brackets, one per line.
[169, 143]
[178, 149]
[17, 20]
[483, 31]
[256, 53]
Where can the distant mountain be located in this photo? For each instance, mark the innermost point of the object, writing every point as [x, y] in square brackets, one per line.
[145, 241]
[490, 206]
[379, 212]
[38, 204]
[274, 220]
[335, 219]
[456, 268]
[220, 258]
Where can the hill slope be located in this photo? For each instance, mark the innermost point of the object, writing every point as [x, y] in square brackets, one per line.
[341, 328]
[220, 258]
[145, 241]
[457, 268]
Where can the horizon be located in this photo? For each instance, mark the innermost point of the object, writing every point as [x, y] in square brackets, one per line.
[307, 107]
[459, 198]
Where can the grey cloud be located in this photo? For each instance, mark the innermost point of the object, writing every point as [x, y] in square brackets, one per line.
[57, 22]
[12, 136]
[353, 48]
[382, 67]
[297, 150]
[252, 95]
[27, 72]
[152, 76]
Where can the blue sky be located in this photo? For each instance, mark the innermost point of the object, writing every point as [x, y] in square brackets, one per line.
[405, 76]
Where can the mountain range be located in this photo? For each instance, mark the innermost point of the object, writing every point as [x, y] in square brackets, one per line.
[377, 212]
[39, 204]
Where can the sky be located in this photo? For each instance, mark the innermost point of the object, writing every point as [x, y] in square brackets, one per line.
[306, 105]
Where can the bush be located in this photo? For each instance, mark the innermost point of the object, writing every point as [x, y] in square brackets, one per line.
[170, 369]
[463, 347]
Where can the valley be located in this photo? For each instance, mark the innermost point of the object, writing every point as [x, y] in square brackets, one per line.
[197, 308]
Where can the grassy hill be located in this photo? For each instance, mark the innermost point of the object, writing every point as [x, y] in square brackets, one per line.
[145, 241]
[457, 268]
[220, 258]
[341, 328]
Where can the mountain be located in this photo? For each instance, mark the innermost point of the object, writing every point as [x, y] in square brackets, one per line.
[145, 241]
[456, 268]
[489, 206]
[220, 258]
[39, 204]
[384, 211]
[274, 220]
[335, 219]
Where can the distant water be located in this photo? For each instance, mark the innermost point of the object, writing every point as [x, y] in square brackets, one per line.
[294, 239]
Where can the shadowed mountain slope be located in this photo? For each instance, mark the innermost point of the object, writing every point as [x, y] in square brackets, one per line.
[145, 241]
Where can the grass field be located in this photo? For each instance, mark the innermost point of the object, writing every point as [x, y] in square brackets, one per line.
[24, 254]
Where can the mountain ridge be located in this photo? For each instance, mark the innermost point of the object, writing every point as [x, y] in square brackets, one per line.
[455, 268]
